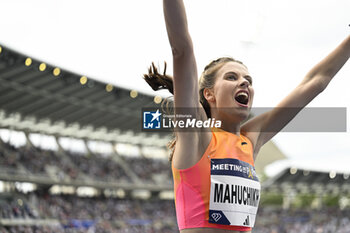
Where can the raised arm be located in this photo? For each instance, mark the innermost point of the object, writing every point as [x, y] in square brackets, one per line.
[325, 70]
[315, 81]
[184, 63]
[176, 25]
[190, 146]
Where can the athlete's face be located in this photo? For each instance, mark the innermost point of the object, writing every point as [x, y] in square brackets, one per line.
[233, 92]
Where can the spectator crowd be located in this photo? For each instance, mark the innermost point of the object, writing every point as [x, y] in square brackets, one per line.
[74, 166]
[101, 214]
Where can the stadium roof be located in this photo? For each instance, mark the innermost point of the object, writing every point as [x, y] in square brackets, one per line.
[39, 97]
[303, 176]
[305, 181]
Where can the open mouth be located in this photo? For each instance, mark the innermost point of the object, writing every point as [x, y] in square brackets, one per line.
[242, 98]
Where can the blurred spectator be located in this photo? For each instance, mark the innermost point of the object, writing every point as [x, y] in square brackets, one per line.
[99, 167]
[151, 170]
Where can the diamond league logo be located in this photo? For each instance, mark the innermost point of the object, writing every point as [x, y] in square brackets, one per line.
[216, 216]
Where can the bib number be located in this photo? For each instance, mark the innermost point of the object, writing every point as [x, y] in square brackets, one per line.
[234, 193]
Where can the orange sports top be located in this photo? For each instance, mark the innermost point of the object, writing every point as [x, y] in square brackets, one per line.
[234, 204]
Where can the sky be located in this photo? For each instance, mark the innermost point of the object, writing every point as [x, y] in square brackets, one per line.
[116, 41]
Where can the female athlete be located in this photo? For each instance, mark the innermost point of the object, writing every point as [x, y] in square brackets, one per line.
[216, 188]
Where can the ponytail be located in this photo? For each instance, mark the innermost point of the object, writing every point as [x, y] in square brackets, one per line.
[157, 82]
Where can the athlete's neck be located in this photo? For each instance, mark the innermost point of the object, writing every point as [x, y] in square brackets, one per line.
[229, 122]
[232, 128]
[229, 125]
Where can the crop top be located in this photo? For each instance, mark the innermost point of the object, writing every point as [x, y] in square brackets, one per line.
[222, 189]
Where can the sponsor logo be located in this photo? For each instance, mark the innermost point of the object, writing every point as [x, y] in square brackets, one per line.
[246, 221]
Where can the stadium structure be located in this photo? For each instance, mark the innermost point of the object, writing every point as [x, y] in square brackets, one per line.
[73, 158]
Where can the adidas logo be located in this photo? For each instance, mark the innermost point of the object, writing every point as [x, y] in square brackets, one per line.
[216, 216]
[246, 222]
